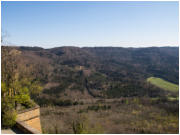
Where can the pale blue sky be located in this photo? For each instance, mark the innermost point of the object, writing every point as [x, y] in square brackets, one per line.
[123, 24]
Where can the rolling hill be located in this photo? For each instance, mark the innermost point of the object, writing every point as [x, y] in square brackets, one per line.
[103, 89]
[103, 72]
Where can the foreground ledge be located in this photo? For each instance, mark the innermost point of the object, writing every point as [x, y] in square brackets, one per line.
[28, 120]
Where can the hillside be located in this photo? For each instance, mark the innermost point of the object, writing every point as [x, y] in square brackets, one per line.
[97, 90]
[76, 73]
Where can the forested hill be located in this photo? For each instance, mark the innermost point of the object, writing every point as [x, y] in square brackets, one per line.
[72, 72]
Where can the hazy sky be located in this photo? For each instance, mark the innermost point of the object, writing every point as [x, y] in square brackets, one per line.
[125, 24]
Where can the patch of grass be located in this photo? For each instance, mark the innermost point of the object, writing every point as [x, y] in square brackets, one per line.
[163, 84]
[173, 98]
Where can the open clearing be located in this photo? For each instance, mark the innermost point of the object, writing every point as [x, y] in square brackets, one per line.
[130, 115]
[163, 84]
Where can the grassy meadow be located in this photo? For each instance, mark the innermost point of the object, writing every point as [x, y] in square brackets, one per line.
[163, 84]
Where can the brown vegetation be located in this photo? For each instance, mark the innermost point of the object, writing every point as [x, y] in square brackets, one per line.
[131, 115]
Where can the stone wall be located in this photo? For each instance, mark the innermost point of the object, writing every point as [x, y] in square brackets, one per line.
[31, 118]
[26, 129]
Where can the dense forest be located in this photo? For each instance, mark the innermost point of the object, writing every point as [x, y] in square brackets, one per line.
[72, 72]
[66, 76]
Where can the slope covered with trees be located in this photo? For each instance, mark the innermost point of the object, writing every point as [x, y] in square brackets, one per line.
[100, 81]
[74, 73]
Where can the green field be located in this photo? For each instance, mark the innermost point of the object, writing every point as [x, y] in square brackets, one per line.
[163, 84]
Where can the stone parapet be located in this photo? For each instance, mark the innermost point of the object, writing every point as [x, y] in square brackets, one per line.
[28, 120]
[25, 128]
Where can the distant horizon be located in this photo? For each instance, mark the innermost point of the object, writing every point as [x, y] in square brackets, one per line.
[90, 46]
[90, 23]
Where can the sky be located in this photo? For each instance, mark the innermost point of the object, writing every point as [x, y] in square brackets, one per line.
[118, 24]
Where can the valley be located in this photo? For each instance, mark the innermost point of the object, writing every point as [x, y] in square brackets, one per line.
[100, 89]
